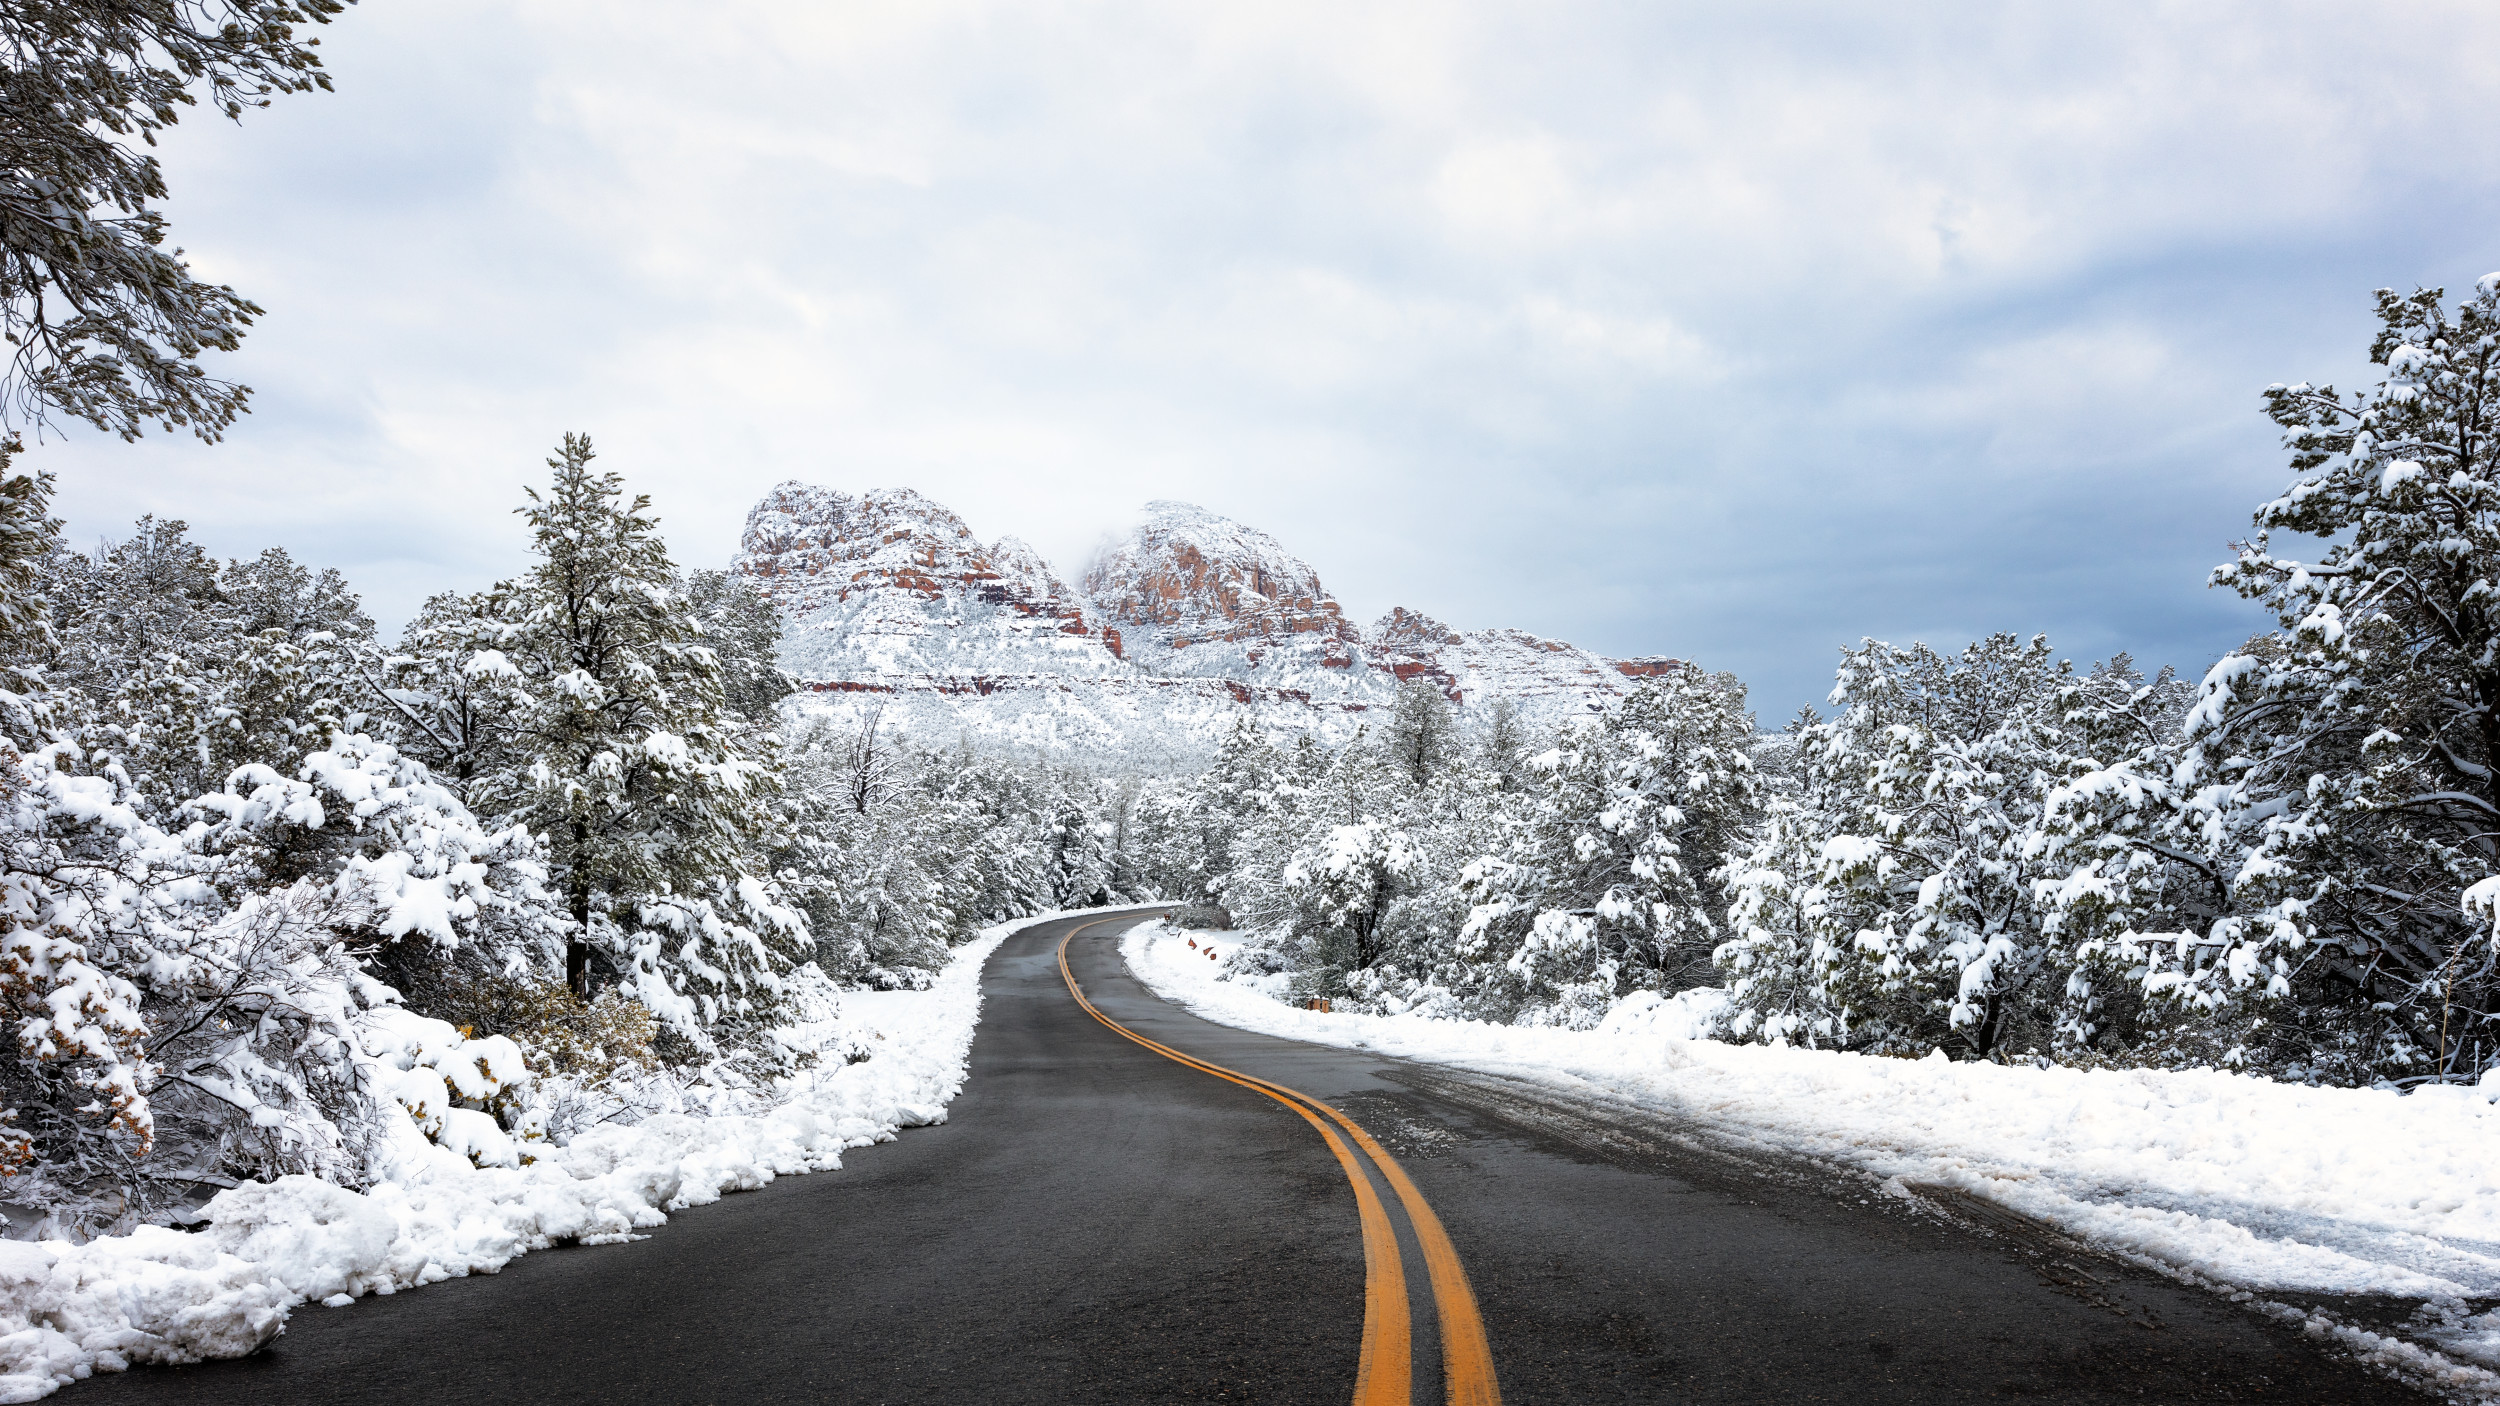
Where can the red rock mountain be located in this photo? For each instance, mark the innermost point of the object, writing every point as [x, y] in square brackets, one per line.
[1192, 617]
[808, 549]
[1200, 595]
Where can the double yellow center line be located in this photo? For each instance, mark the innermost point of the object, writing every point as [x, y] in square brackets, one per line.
[1385, 1373]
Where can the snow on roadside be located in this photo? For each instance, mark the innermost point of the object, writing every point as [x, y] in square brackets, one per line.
[2231, 1179]
[166, 1296]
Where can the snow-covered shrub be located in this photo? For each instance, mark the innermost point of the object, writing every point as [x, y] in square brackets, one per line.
[82, 898]
[405, 858]
[188, 974]
[556, 1030]
[469, 1095]
[177, 1026]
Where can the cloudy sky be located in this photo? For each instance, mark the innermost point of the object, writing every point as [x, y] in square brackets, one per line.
[1732, 332]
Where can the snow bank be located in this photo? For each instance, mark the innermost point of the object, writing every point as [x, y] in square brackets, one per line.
[2232, 1179]
[164, 1296]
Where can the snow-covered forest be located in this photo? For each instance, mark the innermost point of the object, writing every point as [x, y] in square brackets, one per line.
[280, 888]
[2285, 866]
[563, 851]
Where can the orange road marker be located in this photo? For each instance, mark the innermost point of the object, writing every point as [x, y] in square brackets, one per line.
[1385, 1372]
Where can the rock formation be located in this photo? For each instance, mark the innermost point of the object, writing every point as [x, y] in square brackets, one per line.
[893, 601]
[1203, 596]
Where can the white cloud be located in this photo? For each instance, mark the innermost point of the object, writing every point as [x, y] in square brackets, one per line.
[1736, 333]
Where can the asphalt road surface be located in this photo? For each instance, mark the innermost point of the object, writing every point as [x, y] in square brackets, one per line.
[1100, 1222]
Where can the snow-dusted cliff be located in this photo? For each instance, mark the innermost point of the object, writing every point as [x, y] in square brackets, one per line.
[1201, 596]
[894, 602]
[891, 587]
[1548, 679]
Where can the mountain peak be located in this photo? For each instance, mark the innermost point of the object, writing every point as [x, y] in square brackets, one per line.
[806, 546]
[1206, 576]
[1195, 592]
[1190, 618]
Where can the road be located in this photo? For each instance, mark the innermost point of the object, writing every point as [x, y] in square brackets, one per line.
[1098, 1221]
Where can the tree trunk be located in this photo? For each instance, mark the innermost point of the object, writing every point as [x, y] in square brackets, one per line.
[577, 947]
[1984, 1039]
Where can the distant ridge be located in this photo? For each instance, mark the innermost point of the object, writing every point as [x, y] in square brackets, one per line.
[1192, 618]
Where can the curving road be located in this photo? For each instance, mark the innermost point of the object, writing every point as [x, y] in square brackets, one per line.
[1102, 1221]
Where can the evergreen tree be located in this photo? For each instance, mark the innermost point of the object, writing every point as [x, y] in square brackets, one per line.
[1420, 740]
[2329, 818]
[1903, 896]
[1613, 883]
[1350, 881]
[271, 592]
[29, 535]
[450, 691]
[622, 752]
[1503, 747]
[180, 726]
[134, 604]
[743, 631]
[884, 871]
[1237, 790]
[1077, 866]
[107, 326]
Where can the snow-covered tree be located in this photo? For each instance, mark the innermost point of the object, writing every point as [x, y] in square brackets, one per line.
[616, 744]
[272, 592]
[2333, 805]
[1077, 850]
[869, 857]
[743, 631]
[1198, 827]
[28, 535]
[132, 604]
[180, 724]
[1610, 885]
[188, 1003]
[1921, 887]
[1350, 878]
[104, 324]
[1502, 745]
[1420, 738]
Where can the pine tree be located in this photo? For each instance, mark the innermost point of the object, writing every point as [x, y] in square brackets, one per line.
[29, 535]
[622, 752]
[180, 726]
[1504, 745]
[1420, 739]
[449, 692]
[271, 592]
[883, 870]
[194, 871]
[1350, 879]
[1237, 790]
[1923, 885]
[1612, 885]
[743, 631]
[134, 604]
[2331, 812]
[1077, 867]
[105, 325]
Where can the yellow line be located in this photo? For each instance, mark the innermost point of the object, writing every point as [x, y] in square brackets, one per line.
[1384, 1371]
[1466, 1355]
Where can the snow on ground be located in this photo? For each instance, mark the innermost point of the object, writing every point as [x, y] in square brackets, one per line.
[2225, 1178]
[165, 1296]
